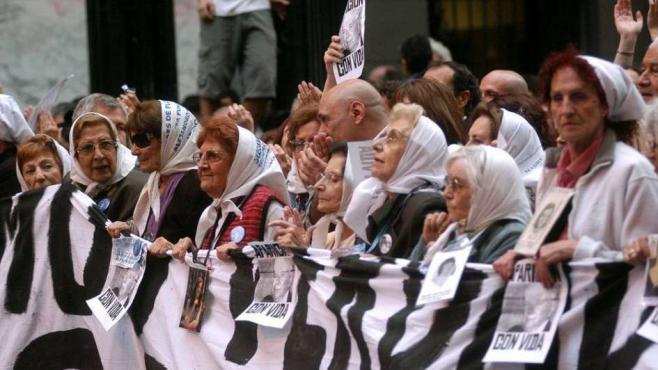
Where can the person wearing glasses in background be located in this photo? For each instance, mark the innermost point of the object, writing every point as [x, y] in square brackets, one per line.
[102, 167]
[486, 202]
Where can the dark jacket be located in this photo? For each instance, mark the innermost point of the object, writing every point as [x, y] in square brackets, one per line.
[401, 219]
[8, 181]
[492, 243]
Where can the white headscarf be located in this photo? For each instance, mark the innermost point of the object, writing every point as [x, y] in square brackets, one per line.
[64, 157]
[624, 100]
[125, 160]
[498, 195]
[518, 138]
[254, 164]
[177, 145]
[321, 231]
[423, 160]
[13, 126]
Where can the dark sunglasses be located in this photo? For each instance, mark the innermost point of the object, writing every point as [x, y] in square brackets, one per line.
[142, 140]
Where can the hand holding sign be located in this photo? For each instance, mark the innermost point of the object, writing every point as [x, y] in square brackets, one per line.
[332, 56]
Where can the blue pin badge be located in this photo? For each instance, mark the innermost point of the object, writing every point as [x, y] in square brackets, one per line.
[237, 234]
[104, 204]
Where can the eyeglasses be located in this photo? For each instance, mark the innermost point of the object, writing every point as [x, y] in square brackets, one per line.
[454, 183]
[105, 146]
[142, 140]
[209, 157]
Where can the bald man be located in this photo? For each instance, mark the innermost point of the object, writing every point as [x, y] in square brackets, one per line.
[648, 82]
[352, 111]
[501, 82]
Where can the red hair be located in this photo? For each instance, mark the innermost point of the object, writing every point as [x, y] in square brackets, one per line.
[568, 58]
[222, 129]
[37, 145]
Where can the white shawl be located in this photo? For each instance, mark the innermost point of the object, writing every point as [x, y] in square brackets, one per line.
[423, 160]
[177, 145]
[518, 138]
[13, 126]
[254, 164]
[125, 160]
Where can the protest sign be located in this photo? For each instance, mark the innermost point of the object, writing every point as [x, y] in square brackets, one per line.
[444, 273]
[529, 317]
[352, 32]
[126, 271]
[360, 155]
[273, 302]
[543, 221]
[650, 297]
[47, 101]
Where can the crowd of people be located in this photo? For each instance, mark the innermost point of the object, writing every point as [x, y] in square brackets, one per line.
[451, 157]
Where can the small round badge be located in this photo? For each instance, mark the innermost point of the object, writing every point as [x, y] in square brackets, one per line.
[237, 234]
[385, 244]
[104, 204]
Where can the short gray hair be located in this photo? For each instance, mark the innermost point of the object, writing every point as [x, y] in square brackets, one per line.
[90, 102]
[474, 157]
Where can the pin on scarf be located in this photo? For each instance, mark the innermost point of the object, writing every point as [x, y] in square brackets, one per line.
[237, 234]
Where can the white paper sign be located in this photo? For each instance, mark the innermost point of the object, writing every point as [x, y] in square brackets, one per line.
[126, 271]
[360, 155]
[352, 39]
[650, 297]
[444, 273]
[649, 329]
[274, 298]
[47, 102]
[529, 317]
[543, 220]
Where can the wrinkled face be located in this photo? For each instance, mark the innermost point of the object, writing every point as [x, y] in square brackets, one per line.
[390, 148]
[442, 74]
[577, 112]
[214, 165]
[41, 171]
[96, 152]
[334, 118]
[458, 191]
[118, 117]
[149, 156]
[480, 131]
[648, 82]
[330, 186]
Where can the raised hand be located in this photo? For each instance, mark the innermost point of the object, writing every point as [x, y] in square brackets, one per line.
[624, 21]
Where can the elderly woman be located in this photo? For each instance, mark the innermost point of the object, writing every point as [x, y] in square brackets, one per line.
[103, 168]
[649, 140]
[595, 107]
[163, 136]
[388, 209]
[439, 104]
[334, 192]
[486, 202]
[41, 162]
[245, 181]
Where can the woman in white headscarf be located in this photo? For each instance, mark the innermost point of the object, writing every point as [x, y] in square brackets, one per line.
[41, 162]
[104, 168]
[595, 107]
[242, 176]
[333, 192]
[14, 131]
[511, 132]
[388, 209]
[163, 137]
[486, 202]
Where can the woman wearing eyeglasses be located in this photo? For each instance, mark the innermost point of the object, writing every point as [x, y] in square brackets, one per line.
[243, 177]
[389, 208]
[40, 162]
[486, 202]
[103, 168]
